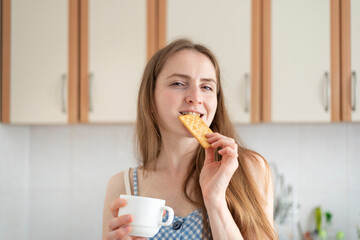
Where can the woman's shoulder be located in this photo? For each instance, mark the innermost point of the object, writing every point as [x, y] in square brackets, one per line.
[259, 170]
[116, 184]
[256, 163]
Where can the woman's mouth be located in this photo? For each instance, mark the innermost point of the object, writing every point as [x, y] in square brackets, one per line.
[192, 113]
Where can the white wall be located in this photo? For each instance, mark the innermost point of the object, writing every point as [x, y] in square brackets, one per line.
[53, 178]
[14, 182]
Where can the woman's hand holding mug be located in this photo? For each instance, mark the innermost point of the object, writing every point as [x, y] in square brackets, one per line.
[119, 226]
[137, 217]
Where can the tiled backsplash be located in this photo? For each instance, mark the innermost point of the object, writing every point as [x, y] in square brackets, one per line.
[53, 178]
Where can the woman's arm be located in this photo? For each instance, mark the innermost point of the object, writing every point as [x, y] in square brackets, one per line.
[215, 178]
[115, 227]
[262, 176]
[221, 221]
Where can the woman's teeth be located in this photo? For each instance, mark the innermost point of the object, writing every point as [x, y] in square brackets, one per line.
[191, 113]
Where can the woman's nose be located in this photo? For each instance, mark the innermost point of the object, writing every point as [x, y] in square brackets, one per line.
[194, 97]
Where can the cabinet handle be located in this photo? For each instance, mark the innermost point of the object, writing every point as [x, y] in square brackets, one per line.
[91, 80]
[327, 91]
[247, 93]
[64, 93]
[353, 88]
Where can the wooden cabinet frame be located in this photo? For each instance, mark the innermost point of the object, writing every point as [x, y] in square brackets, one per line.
[256, 60]
[156, 26]
[345, 61]
[5, 61]
[335, 59]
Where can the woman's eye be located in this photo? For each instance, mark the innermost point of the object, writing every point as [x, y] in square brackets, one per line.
[177, 84]
[208, 88]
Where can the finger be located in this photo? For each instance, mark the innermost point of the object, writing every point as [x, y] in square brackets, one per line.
[229, 165]
[230, 152]
[119, 221]
[120, 233]
[139, 238]
[115, 205]
[209, 155]
[223, 142]
[212, 137]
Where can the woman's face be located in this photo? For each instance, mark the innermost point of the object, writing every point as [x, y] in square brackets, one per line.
[186, 83]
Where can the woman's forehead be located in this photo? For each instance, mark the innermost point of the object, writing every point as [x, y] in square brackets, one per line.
[190, 62]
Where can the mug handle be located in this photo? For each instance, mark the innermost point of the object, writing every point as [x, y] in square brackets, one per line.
[170, 218]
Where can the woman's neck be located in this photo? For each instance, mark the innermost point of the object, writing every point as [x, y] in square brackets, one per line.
[176, 153]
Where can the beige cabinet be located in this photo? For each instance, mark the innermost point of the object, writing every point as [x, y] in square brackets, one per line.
[35, 69]
[48, 45]
[114, 54]
[224, 26]
[301, 83]
[355, 60]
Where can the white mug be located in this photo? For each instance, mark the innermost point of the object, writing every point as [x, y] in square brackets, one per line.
[147, 214]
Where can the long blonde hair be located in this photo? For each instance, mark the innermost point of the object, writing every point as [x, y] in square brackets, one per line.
[243, 197]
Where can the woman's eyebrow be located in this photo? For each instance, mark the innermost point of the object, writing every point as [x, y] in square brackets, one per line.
[179, 75]
[188, 77]
[208, 80]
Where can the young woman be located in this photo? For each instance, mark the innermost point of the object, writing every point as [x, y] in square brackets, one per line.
[223, 192]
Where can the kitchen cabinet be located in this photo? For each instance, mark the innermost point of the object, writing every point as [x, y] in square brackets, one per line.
[74, 60]
[355, 60]
[304, 62]
[225, 27]
[350, 58]
[38, 61]
[82, 60]
[113, 56]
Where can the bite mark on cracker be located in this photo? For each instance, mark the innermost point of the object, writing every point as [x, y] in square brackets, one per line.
[197, 127]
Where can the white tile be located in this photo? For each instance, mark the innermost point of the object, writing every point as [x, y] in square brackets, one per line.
[249, 134]
[278, 143]
[13, 216]
[13, 159]
[353, 215]
[99, 153]
[50, 158]
[50, 215]
[322, 157]
[87, 209]
[353, 155]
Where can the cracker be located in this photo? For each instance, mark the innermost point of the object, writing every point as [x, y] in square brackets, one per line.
[197, 128]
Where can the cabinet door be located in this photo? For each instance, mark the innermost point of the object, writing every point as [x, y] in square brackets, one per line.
[38, 61]
[300, 43]
[117, 57]
[355, 59]
[224, 26]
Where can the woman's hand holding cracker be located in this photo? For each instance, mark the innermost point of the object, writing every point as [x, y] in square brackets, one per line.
[216, 175]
